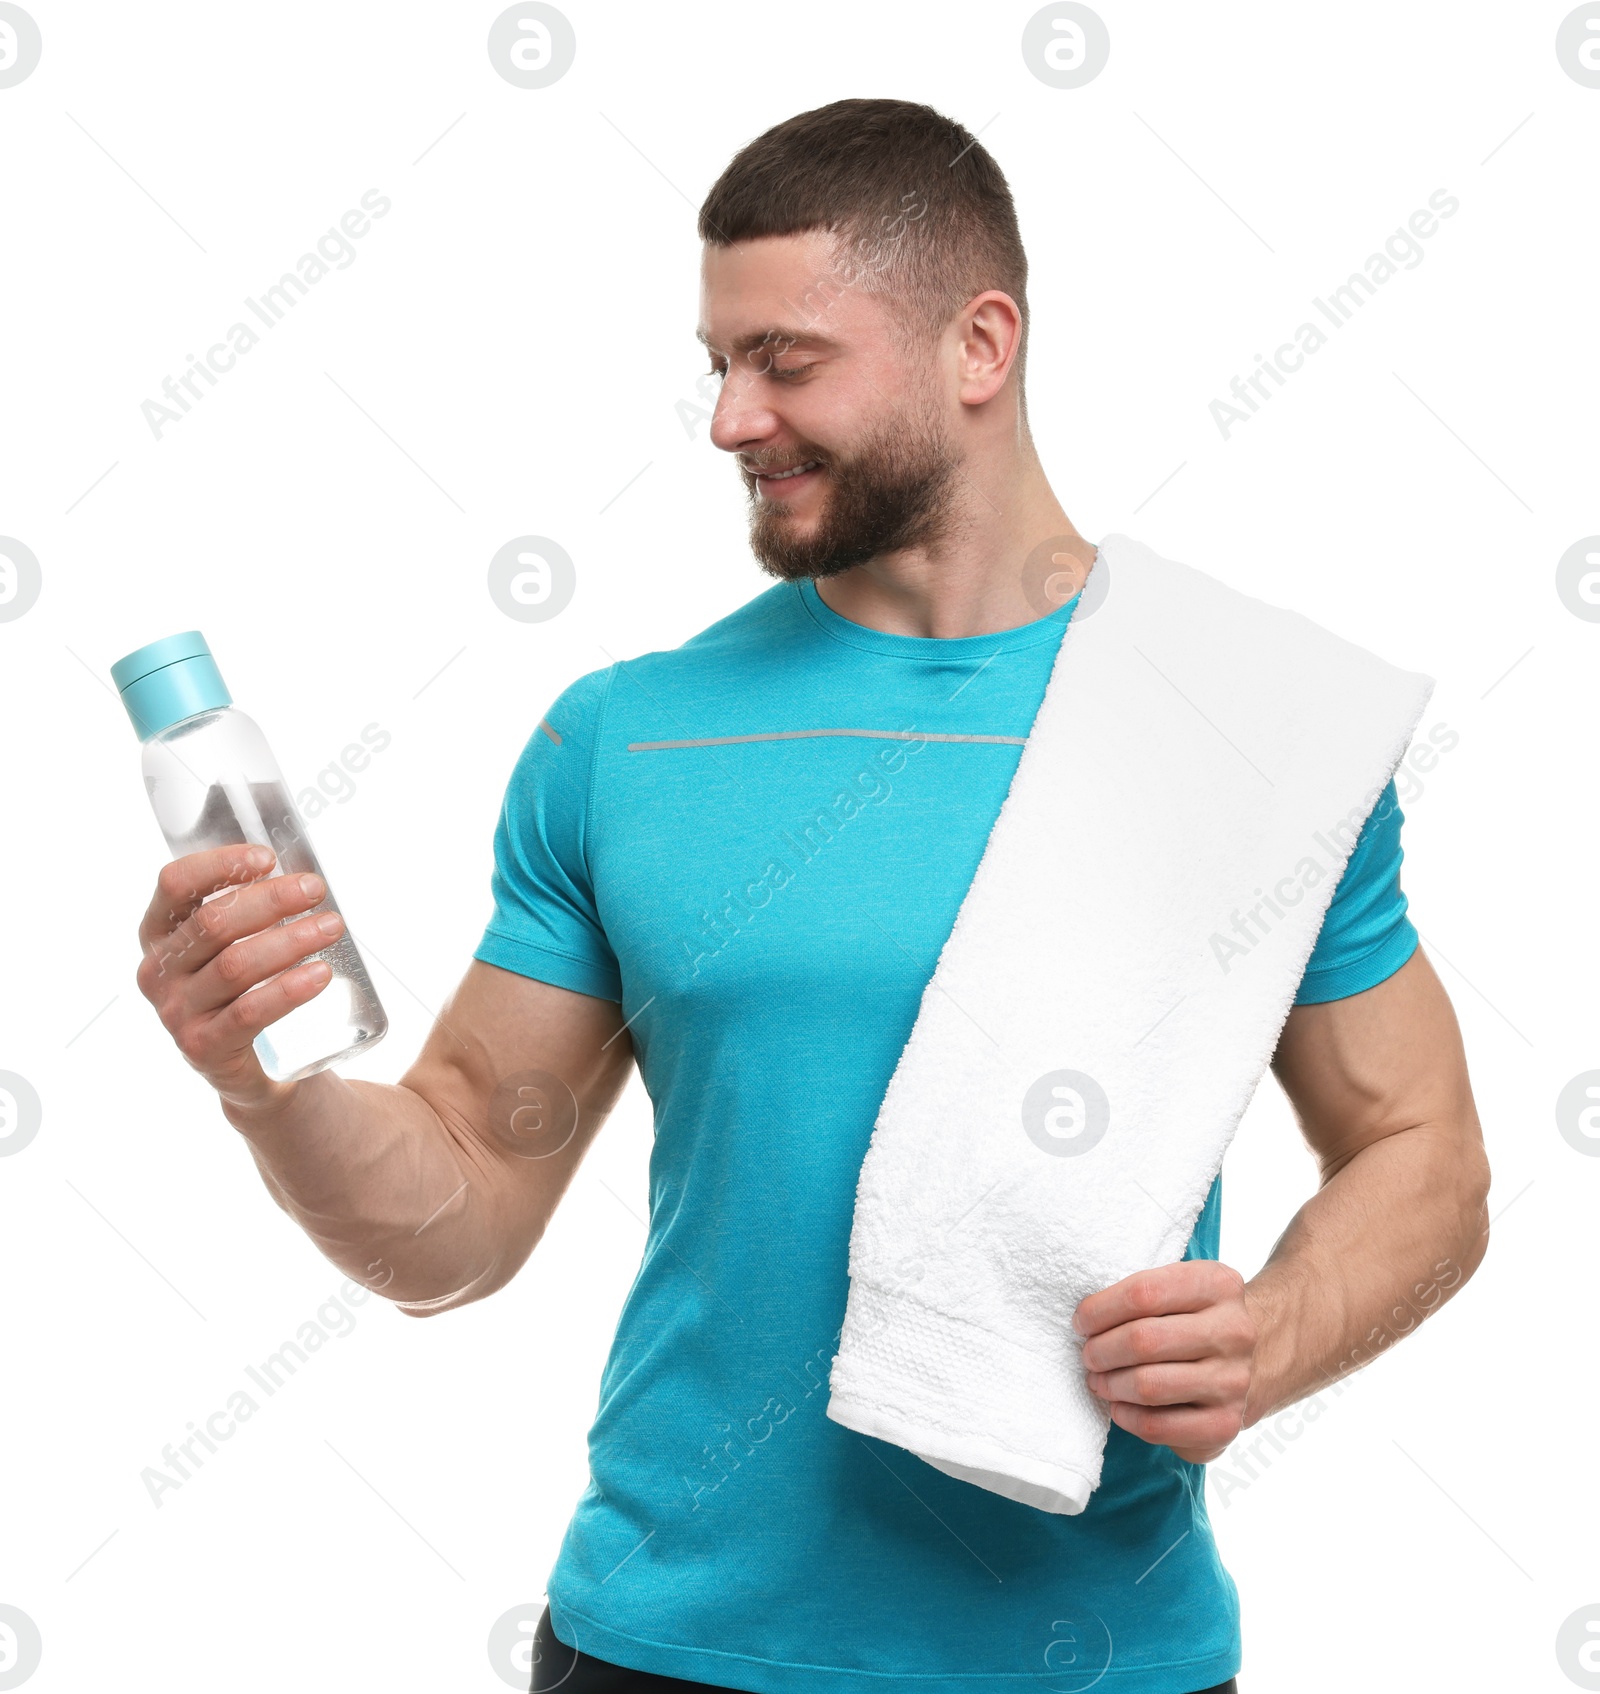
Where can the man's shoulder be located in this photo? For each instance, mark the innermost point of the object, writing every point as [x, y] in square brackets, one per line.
[737, 646]
[1238, 635]
[740, 639]
[747, 629]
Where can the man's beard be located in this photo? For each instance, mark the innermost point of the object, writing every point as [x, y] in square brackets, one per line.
[895, 491]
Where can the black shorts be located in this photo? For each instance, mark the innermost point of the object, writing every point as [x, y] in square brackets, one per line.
[556, 1665]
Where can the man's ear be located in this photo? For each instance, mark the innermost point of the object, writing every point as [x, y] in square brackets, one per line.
[989, 331]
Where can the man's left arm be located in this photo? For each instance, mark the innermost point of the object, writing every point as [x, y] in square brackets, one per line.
[1187, 1355]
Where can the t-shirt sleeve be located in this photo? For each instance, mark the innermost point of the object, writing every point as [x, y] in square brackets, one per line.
[1366, 936]
[545, 923]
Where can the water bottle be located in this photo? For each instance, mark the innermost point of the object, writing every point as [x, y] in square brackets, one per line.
[212, 782]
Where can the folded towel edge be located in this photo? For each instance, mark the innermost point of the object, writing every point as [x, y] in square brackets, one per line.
[1030, 1481]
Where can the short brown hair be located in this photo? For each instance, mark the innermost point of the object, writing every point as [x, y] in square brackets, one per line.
[909, 189]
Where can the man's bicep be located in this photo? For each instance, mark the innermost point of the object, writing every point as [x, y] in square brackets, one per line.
[1365, 935]
[545, 921]
[522, 1073]
[530, 1053]
[1372, 1064]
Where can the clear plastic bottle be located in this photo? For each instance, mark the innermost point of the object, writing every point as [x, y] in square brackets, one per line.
[212, 781]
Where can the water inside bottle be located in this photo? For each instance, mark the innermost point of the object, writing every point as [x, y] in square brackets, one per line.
[345, 1015]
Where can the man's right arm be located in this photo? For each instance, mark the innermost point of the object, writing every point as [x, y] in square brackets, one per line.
[432, 1191]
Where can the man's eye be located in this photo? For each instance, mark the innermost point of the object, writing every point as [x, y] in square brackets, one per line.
[793, 370]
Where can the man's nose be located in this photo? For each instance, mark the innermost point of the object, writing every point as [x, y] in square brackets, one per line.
[740, 419]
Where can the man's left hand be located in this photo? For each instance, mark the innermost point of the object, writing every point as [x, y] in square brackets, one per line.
[1171, 1351]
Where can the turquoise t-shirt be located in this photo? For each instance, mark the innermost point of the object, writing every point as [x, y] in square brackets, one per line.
[757, 843]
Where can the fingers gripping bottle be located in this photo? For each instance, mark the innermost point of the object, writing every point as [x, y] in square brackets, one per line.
[212, 782]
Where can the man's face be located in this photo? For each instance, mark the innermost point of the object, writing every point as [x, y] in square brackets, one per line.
[836, 417]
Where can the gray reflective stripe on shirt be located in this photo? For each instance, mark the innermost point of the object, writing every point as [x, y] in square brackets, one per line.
[793, 734]
[550, 730]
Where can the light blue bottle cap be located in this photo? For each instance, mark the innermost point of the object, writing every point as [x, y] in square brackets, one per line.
[169, 680]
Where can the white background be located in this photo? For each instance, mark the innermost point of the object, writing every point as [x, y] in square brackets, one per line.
[502, 357]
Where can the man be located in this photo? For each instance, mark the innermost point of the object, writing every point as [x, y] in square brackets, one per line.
[736, 862]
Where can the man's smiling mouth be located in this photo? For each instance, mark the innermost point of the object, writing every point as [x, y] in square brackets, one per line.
[763, 478]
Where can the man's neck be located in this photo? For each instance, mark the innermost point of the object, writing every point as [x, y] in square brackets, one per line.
[984, 577]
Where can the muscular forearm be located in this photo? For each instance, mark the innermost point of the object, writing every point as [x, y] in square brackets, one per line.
[381, 1185]
[1389, 1237]
[1188, 1354]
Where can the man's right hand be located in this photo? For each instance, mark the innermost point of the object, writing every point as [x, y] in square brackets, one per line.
[434, 1190]
[212, 937]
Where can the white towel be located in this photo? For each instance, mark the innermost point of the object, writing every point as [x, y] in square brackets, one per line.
[1103, 1009]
